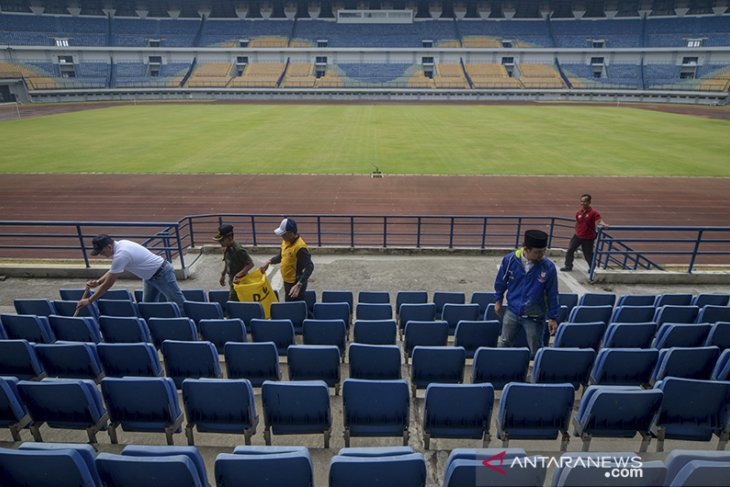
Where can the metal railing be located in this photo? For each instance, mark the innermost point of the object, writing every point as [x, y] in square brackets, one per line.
[631, 248]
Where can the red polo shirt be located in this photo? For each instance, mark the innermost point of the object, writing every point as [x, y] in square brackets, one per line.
[585, 223]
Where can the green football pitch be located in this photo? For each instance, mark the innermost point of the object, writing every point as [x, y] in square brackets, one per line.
[343, 139]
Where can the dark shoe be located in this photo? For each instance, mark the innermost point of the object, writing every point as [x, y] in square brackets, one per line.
[566, 269]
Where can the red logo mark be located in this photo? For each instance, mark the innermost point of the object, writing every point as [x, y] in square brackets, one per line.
[499, 456]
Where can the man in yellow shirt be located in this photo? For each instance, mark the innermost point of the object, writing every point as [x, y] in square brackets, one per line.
[296, 262]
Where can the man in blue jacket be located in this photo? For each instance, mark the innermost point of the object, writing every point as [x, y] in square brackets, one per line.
[531, 284]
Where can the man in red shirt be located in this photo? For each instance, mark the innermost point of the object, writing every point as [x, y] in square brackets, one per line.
[586, 220]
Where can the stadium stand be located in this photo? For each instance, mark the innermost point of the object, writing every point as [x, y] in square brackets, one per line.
[210, 75]
[491, 76]
[449, 76]
[540, 76]
[299, 76]
[259, 76]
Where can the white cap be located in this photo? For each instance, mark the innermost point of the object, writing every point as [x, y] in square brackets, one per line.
[287, 225]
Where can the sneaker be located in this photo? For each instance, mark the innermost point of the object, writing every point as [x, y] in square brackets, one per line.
[566, 269]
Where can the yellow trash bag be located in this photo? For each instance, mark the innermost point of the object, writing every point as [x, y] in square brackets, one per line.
[255, 287]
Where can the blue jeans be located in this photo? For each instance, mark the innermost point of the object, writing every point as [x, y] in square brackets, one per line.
[163, 287]
[511, 324]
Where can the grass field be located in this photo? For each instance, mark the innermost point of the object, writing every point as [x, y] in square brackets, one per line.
[410, 139]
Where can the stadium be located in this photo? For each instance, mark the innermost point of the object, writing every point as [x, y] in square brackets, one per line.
[415, 144]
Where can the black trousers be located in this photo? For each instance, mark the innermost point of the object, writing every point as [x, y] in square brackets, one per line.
[585, 245]
[287, 288]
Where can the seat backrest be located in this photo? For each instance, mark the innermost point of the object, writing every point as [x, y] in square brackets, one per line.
[111, 307]
[130, 471]
[713, 314]
[12, 408]
[553, 415]
[329, 296]
[702, 300]
[72, 294]
[483, 299]
[325, 332]
[219, 401]
[425, 333]
[60, 468]
[131, 400]
[190, 360]
[70, 359]
[314, 362]
[129, 359]
[281, 332]
[560, 365]
[598, 409]
[443, 365]
[265, 466]
[707, 412]
[62, 401]
[636, 300]
[33, 328]
[19, 359]
[474, 334]
[454, 313]
[373, 401]
[722, 367]
[675, 314]
[197, 295]
[590, 314]
[332, 311]
[458, 407]
[500, 366]
[218, 332]
[203, 310]
[683, 299]
[292, 406]
[69, 308]
[87, 453]
[681, 335]
[677, 459]
[373, 311]
[118, 329]
[38, 307]
[256, 362]
[78, 329]
[373, 297]
[375, 332]
[569, 300]
[629, 335]
[579, 335]
[245, 312]
[158, 310]
[597, 299]
[409, 297]
[161, 329]
[219, 296]
[624, 366]
[690, 363]
[440, 298]
[191, 452]
[416, 312]
[632, 314]
[295, 311]
[374, 362]
[402, 470]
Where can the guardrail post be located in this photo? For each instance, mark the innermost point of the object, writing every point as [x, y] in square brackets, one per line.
[596, 255]
[608, 254]
[698, 241]
[83, 247]
[192, 233]
[385, 232]
[451, 233]
[180, 249]
[165, 236]
[484, 232]
[418, 233]
[352, 232]
[319, 231]
[253, 230]
[519, 231]
[550, 236]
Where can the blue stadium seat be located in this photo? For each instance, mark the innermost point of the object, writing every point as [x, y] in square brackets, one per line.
[74, 360]
[375, 332]
[181, 329]
[79, 329]
[374, 362]
[380, 468]
[329, 296]
[483, 299]
[579, 335]
[499, 366]
[713, 314]
[219, 296]
[675, 314]
[332, 311]
[64, 403]
[569, 300]
[474, 334]
[18, 359]
[681, 335]
[38, 307]
[677, 460]
[72, 294]
[624, 366]
[465, 468]
[325, 332]
[138, 295]
[590, 314]
[373, 297]
[440, 298]
[580, 473]
[702, 300]
[636, 300]
[416, 312]
[296, 408]
[142, 404]
[257, 362]
[289, 466]
[280, 332]
[310, 297]
[58, 468]
[129, 359]
[218, 332]
[192, 453]
[721, 371]
[375, 408]
[68, 308]
[87, 453]
[409, 297]
[203, 310]
[518, 419]
[219, 406]
[425, 334]
[689, 363]
[315, 362]
[195, 295]
[454, 313]
[163, 471]
[245, 312]
[33, 328]
[442, 365]
[13, 414]
[560, 365]
[616, 412]
[191, 360]
[373, 311]
[490, 314]
[673, 300]
[457, 411]
[111, 307]
[692, 410]
[597, 299]
[632, 314]
[158, 310]
[629, 335]
[115, 294]
[294, 311]
[118, 329]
